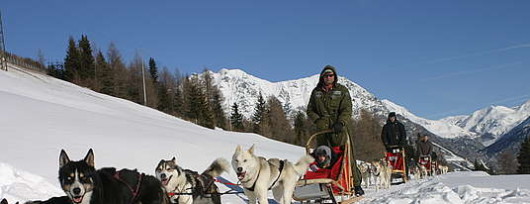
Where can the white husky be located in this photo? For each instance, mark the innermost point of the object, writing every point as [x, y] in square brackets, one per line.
[258, 175]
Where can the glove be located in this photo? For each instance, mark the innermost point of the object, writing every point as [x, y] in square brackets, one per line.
[337, 127]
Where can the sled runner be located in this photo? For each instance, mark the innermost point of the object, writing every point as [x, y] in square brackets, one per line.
[328, 185]
[396, 158]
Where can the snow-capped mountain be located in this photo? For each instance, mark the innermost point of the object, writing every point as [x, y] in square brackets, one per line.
[492, 122]
[440, 128]
[239, 87]
[511, 140]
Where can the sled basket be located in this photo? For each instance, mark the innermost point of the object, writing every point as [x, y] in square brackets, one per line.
[334, 183]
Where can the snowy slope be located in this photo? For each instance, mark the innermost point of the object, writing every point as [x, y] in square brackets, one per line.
[41, 115]
[492, 122]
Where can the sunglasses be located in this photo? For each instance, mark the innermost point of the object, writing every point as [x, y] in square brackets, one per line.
[328, 75]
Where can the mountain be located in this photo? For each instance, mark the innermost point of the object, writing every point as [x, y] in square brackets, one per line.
[511, 141]
[440, 128]
[492, 122]
[242, 88]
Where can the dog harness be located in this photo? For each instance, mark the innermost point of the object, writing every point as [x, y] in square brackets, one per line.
[135, 191]
[200, 189]
[280, 169]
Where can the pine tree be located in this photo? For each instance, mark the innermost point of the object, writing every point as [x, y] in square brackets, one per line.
[217, 108]
[56, 70]
[302, 127]
[365, 134]
[72, 62]
[524, 157]
[119, 72]
[86, 66]
[199, 110]
[104, 81]
[236, 119]
[215, 99]
[153, 70]
[166, 86]
[134, 81]
[259, 115]
[279, 125]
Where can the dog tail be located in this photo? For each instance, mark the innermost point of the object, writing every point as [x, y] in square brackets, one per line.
[217, 167]
[302, 164]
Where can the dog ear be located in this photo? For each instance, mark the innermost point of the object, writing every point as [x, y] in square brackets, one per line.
[174, 160]
[251, 150]
[63, 159]
[238, 148]
[89, 158]
[4, 201]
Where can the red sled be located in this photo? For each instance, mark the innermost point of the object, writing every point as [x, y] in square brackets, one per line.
[335, 184]
[396, 158]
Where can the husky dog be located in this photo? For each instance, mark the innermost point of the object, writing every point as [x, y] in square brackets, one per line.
[423, 171]
[382, 171]
[187, 186]
[366, 173]
[443, 169]
[258, 175]
[83, 184]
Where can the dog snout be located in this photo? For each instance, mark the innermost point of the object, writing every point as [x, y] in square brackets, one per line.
[239, 169]
[163, 176]
[76, 191]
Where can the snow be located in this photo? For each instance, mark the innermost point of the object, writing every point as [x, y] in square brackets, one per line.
[457, 187]
[42, 115]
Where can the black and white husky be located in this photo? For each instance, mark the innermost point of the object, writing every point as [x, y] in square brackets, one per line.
[83, 184]
[187, 186]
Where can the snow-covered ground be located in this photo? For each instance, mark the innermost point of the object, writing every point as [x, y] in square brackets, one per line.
[457, 187]
[41, 115]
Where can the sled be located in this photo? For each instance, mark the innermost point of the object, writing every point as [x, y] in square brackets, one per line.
[333, 185]
[396, 158]
[429, 164]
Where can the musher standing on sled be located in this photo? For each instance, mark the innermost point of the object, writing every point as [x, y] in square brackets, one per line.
[330, 107]
[393, 133]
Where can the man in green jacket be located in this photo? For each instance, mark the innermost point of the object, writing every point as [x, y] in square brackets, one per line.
[330, 107]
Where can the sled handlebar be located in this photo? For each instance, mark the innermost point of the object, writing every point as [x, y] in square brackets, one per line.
[312, 137]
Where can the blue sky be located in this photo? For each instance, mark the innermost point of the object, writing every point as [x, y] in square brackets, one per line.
[437, 58]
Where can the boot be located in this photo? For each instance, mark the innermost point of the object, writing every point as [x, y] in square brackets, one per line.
[358, 190]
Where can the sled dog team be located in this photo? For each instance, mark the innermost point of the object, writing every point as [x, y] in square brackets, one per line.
[379, 173]
[84, 184]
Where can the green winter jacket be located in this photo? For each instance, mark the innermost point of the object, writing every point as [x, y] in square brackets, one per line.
[327, 108]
